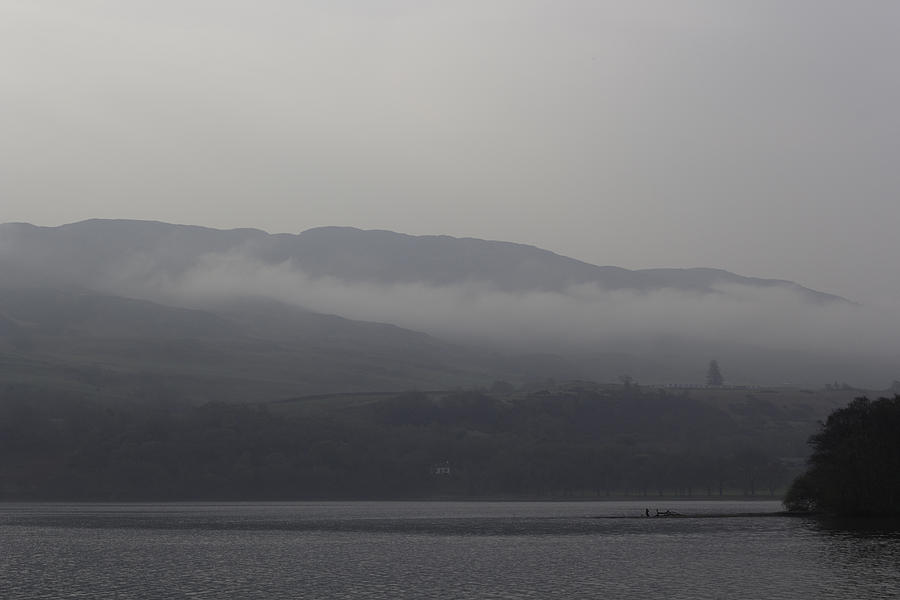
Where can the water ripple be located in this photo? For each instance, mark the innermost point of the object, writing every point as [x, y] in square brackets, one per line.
[370, 550]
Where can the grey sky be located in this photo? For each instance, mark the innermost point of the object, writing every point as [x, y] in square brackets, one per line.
[759, 137]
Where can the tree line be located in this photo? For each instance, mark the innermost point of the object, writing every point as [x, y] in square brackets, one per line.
[614, 442]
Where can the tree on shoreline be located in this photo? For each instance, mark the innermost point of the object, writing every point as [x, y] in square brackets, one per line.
[854, 469]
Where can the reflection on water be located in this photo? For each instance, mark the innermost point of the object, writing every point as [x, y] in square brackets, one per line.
[436, 550]
[866, 552]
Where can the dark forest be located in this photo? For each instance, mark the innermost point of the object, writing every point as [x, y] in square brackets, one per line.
[575, 440]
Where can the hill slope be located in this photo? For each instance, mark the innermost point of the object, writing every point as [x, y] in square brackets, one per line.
[96, 345]
[104, 254]
[504, 309]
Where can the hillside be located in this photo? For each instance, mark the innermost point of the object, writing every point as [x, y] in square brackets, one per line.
[247, 350]
[109, 254]
[577, 440]
[342, 309]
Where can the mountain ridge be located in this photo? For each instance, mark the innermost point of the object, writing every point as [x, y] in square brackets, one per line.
[370, 256]
[374, 309]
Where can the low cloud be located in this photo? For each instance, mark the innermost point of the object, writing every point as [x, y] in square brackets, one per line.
[581, 316]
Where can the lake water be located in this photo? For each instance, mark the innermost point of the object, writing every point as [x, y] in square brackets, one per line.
[438, 550]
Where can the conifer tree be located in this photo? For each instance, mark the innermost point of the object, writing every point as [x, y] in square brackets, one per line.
[714, 375]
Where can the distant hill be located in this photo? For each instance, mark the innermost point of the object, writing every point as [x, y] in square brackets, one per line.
[338, 309]
[108, 253]
[55, 340]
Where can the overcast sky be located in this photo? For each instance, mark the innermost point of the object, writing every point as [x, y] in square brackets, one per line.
[759, 137]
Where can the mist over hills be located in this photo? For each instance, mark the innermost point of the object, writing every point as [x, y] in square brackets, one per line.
[246, 349]
[105, 253]
[338, 309]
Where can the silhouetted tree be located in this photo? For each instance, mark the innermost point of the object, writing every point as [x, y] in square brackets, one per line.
[713, 374]
[855, 465]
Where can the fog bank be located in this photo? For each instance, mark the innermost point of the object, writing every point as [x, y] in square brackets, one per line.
[580, 317]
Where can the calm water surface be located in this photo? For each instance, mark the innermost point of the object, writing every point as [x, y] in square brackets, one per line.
[438, 550]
